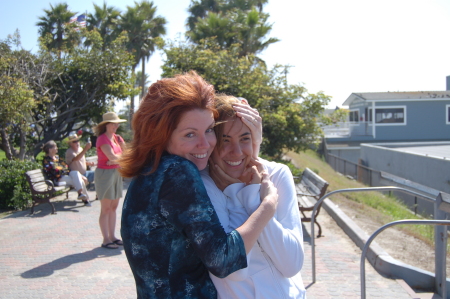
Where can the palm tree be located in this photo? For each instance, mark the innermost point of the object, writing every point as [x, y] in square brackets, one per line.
[143, 29]
[54, 28]
[214, 25]
[200, 8]
[231, 22]
[246, 28]
[141, 81]
[105, 19]
[252, 34]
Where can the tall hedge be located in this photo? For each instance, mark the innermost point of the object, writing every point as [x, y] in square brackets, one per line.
[14, 190]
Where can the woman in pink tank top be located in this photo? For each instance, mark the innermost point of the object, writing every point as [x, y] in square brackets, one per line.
[108, 182]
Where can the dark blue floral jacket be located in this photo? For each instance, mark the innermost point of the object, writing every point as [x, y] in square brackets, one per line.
[172, 235]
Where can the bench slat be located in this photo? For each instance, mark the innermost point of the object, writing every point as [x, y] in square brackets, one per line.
[30, 172]
[41, 186]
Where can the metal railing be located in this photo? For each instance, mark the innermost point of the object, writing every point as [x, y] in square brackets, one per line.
[361, 173]
[442, 282]
[388, 188]
[442, 203]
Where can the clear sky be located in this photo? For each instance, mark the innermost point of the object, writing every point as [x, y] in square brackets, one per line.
[337, 47]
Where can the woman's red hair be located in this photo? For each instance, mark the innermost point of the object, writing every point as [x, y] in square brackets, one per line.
[158, 116]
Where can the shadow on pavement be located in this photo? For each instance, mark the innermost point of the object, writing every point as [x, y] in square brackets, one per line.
[64, 262]
[306, 235]
[45, 209]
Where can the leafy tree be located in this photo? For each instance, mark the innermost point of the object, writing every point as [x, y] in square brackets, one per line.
[55, 30]
[144, 30]
[289, 112]
[84, 83]
[337, 116]
[19, 72]
[105, 19]
[55, 96]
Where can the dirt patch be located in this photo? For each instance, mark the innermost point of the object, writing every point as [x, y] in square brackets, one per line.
[398, 244]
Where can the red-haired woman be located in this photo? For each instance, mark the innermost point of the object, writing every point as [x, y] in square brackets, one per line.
[172, 235]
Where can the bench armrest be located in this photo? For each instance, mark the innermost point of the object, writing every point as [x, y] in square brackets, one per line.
[50, 184]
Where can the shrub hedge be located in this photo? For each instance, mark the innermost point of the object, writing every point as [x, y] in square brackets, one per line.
[14, 190]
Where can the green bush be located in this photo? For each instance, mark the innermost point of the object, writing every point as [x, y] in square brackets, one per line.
[296, 172]
[14, 190]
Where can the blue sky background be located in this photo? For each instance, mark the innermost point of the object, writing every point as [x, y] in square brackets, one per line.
[337, 47]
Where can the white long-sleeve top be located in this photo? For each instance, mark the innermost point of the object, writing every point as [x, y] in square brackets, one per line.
[275, 261]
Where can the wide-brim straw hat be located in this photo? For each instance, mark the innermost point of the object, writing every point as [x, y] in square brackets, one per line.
[73, 137]
[111, 117]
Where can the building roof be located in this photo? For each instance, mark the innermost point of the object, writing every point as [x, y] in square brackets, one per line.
[437, 149]
[397, 95]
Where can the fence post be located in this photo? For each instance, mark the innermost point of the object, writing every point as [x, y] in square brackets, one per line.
[415, 205]
[441, 206]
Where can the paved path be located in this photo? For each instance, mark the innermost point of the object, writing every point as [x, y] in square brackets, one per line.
[59, 256]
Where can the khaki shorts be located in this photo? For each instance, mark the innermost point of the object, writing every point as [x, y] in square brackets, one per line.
[108, 183]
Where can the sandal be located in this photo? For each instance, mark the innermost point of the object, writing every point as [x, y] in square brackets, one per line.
[118, 242]
[110, 246]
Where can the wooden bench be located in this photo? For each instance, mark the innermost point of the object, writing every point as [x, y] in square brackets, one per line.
[42, 189]
[310, 189]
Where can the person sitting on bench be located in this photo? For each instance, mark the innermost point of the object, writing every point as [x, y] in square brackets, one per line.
[57, 171]
[75, 157]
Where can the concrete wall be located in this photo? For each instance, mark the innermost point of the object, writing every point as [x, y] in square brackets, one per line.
[428, 171]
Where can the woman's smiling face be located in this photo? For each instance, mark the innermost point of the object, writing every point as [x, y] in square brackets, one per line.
[236, 151]
[194, 138]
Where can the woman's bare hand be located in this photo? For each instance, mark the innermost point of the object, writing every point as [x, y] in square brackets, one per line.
[219, 176]
[268, 192]
[253, 173]
[251, 118]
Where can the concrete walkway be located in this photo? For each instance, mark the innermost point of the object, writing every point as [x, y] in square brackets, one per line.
[59, 256]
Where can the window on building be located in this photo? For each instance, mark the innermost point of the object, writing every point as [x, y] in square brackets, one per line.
[388, 115]
[353, 116]
[447, 114]
[368, 116]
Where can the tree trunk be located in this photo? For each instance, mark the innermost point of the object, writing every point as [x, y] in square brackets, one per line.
[5, 144]
[23, 145]
[131, 104]
[143, 78]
